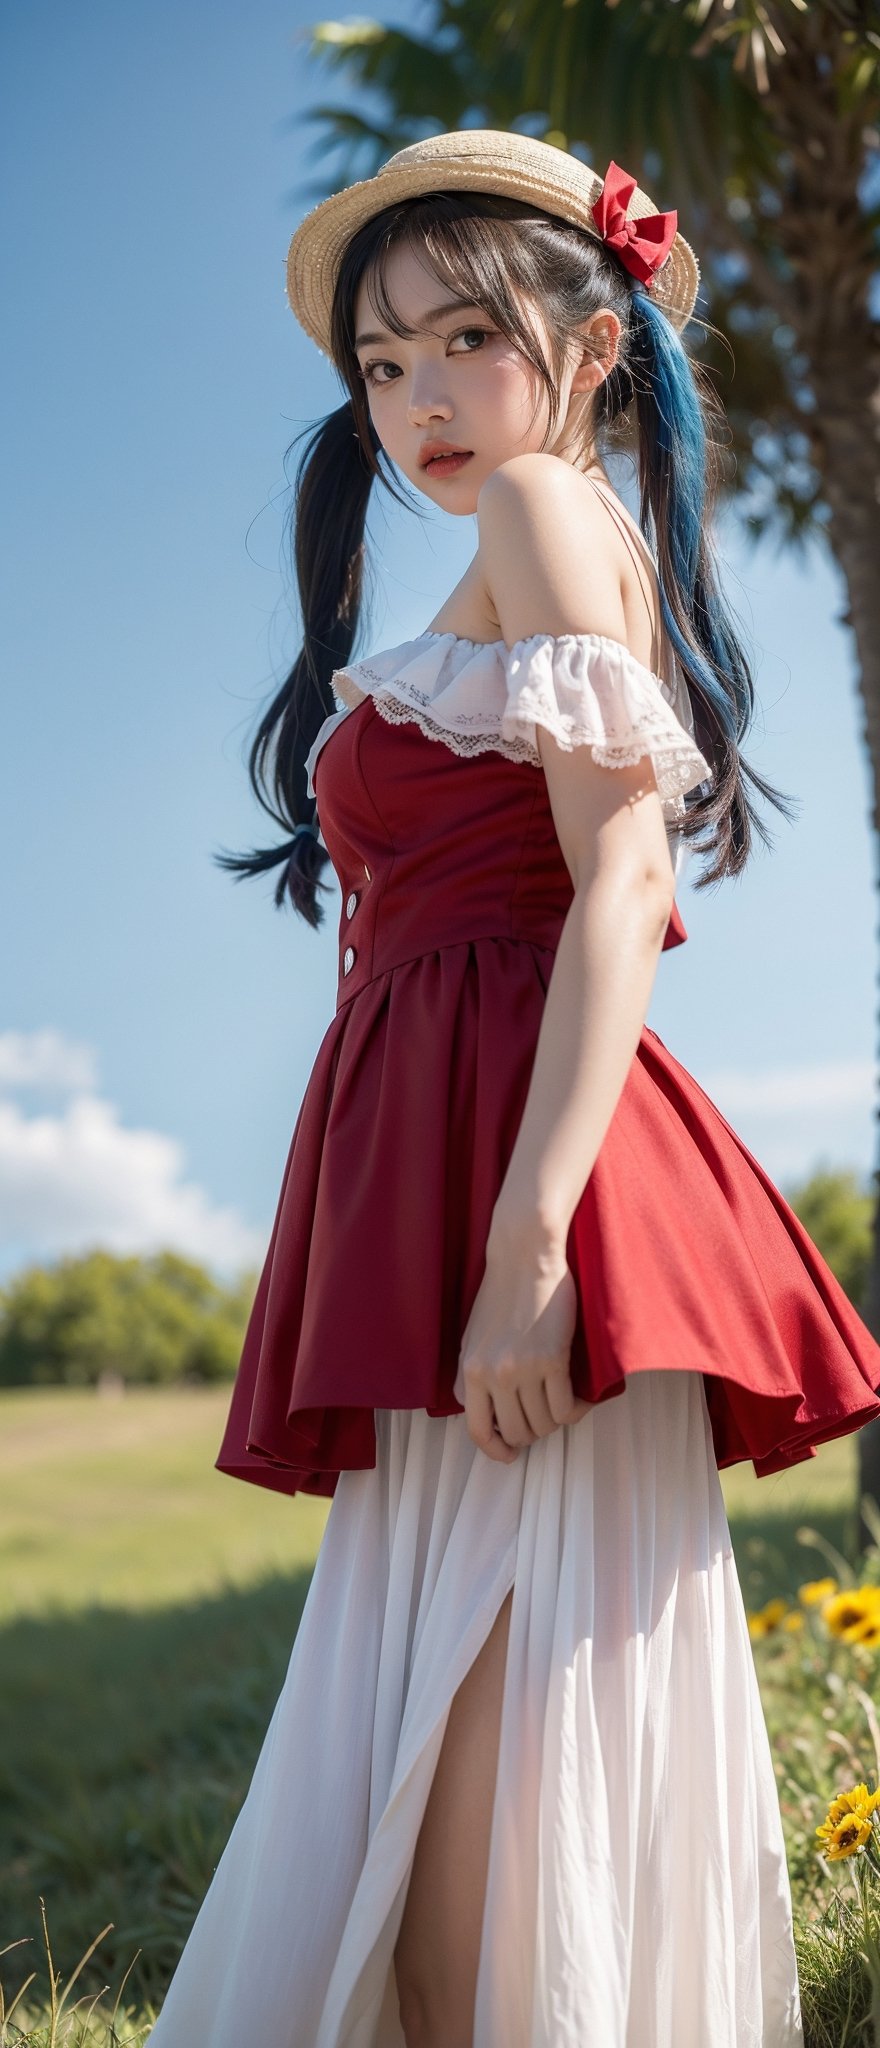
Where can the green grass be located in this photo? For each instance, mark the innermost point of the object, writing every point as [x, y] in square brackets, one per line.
[149, 1607]
[114, 1501]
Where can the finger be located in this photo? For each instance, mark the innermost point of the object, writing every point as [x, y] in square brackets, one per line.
[563, 1403]
[537, 1409]
[513, 1421]
[481, 1423]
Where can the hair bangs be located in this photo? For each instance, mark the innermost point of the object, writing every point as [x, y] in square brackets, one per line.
[460, 239]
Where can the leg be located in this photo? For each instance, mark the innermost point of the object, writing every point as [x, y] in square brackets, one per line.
[438, 1947]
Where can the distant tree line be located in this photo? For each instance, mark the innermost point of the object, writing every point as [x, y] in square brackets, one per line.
[147, 1321]
[165, 1319]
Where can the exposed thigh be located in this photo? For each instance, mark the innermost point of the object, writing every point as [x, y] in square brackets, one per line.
[438, 1947]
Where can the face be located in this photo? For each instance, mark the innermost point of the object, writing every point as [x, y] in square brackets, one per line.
[464, 383]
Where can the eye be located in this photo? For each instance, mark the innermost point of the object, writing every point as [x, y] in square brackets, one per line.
[483, 333]
[379, 363]
[369, 372]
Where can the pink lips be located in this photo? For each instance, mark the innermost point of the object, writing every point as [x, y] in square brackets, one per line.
[446, 465]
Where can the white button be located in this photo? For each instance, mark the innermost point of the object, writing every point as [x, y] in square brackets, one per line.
[351, 905]
[348, 959]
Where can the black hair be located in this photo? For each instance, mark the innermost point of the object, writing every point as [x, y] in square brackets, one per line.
[497, 253]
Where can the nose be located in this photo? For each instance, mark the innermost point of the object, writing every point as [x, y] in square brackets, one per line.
[426, 403]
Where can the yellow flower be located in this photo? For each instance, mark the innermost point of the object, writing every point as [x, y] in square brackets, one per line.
[848, 1822]
[858, 1800]
[844, 1837]
[763, 1620]
[793, 1621]
[815, 1590]
[849, 1613]
[869, 1633]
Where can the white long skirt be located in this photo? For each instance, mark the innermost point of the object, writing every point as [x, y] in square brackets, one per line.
[637, 1893]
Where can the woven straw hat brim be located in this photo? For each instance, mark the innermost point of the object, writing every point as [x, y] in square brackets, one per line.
[474, 160]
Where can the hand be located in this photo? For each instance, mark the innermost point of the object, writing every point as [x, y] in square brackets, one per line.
[514, 1378]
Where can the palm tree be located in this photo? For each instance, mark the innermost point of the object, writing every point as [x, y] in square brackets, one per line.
[759, 120]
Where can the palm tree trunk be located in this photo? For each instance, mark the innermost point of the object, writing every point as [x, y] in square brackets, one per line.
[849, 403]
[828, 240]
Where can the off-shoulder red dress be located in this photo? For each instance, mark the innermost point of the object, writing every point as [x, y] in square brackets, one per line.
[435, 811]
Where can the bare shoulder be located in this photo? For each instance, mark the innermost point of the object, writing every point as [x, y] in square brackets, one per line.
[532, 476]
[548, 551]
[551, 559]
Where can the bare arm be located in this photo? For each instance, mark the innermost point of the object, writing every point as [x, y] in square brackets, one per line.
[596, 1005]
[549, 572]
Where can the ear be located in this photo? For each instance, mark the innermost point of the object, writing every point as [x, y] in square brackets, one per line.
[601, 335]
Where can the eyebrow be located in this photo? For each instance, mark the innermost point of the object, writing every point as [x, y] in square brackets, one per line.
[434, 313]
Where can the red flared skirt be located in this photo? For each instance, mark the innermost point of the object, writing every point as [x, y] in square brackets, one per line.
[684, 1253]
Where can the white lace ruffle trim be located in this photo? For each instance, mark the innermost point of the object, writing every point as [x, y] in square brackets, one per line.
[583, 688]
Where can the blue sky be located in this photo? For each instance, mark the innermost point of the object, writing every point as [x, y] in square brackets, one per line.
[158, 1022]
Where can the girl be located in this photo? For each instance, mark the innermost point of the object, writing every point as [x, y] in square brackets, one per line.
[526, 1290]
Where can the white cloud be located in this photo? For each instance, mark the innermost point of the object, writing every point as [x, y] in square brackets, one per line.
[795, 1091]
[45, 1059]
[800, 1120]
[79, 1178]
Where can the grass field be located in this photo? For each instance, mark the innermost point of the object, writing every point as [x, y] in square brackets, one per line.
[149, 1606]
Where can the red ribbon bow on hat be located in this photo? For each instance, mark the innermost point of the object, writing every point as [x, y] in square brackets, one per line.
[642, 245]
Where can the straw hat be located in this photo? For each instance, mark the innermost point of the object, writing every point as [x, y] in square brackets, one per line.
[495, 160]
